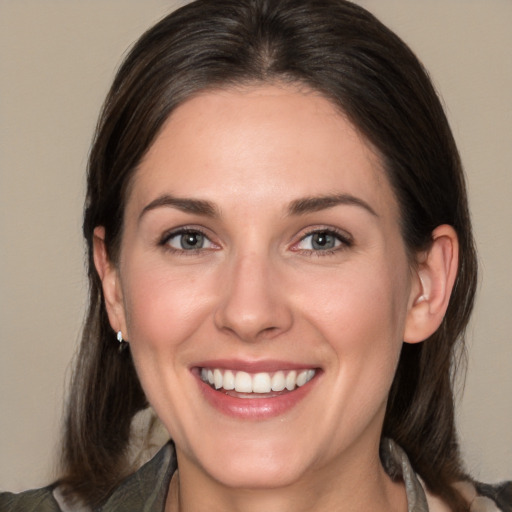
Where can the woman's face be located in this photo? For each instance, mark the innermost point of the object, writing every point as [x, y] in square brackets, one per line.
[262, 250]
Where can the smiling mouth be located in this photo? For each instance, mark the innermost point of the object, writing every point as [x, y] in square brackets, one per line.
[255, 385]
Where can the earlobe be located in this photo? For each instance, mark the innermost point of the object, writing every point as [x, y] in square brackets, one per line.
[434, 280]
[111, 285]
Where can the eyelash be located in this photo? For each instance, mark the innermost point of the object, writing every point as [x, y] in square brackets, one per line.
[164, 241]
[345, 241]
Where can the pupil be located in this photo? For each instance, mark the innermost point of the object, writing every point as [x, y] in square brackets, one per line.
[191, 240]
[323, 241]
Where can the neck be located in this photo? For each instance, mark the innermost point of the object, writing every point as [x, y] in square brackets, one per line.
[363, 485]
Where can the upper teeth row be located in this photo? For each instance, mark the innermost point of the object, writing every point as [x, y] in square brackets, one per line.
[263, 382]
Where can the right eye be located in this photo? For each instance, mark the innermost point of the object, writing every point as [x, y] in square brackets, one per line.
[188, 240]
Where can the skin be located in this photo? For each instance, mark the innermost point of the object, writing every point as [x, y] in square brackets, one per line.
[258, 290]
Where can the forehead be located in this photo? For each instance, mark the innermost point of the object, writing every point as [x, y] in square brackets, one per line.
[258, 144]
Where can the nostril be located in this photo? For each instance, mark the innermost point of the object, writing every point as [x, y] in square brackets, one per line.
[251, 328]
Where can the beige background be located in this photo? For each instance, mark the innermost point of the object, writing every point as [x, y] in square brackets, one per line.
[57, 59]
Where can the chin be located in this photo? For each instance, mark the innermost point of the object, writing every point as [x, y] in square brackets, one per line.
[253, 464]
[242, 474]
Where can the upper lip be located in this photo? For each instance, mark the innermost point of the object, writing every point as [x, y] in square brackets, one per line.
[254, 366]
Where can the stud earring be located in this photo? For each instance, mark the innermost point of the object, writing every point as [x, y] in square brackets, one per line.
[122, 343]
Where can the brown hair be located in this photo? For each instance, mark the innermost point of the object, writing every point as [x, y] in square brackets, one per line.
[345, 53]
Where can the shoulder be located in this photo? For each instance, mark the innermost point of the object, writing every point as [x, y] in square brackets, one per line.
[146, 489]
[501, 494]
[486, 497]
[481, 497]
[40, 500]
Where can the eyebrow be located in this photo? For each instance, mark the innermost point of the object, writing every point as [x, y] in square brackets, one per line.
[317, 203]
[300, 206]
[197, 206]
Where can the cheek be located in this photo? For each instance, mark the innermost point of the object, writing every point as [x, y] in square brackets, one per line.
[162, 305]
[164, 311]
[359, 306]
[361, 315]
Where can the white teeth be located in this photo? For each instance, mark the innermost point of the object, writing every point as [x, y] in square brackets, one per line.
[260, 383]
[229, 380]
[243, 382]
[278, 381]
[291, 380]
[301, 378]
[217, 378]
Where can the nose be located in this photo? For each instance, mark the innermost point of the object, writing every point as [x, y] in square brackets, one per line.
[253, 304]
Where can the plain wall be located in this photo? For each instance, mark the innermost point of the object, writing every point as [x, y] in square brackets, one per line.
[57, 59]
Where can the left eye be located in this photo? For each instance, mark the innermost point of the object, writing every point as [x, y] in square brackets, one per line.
[188, 241]
[320, 241]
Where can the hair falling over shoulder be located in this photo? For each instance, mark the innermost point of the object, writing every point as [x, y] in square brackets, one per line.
[340, 50]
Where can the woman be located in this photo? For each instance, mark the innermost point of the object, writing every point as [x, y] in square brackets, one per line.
[275, 204]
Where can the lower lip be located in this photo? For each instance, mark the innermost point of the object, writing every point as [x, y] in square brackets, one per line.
[255, 408]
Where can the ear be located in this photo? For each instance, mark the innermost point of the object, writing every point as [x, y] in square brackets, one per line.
[432, 286]
[111, 284]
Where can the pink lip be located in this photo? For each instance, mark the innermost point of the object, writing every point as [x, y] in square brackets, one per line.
[253, 408]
